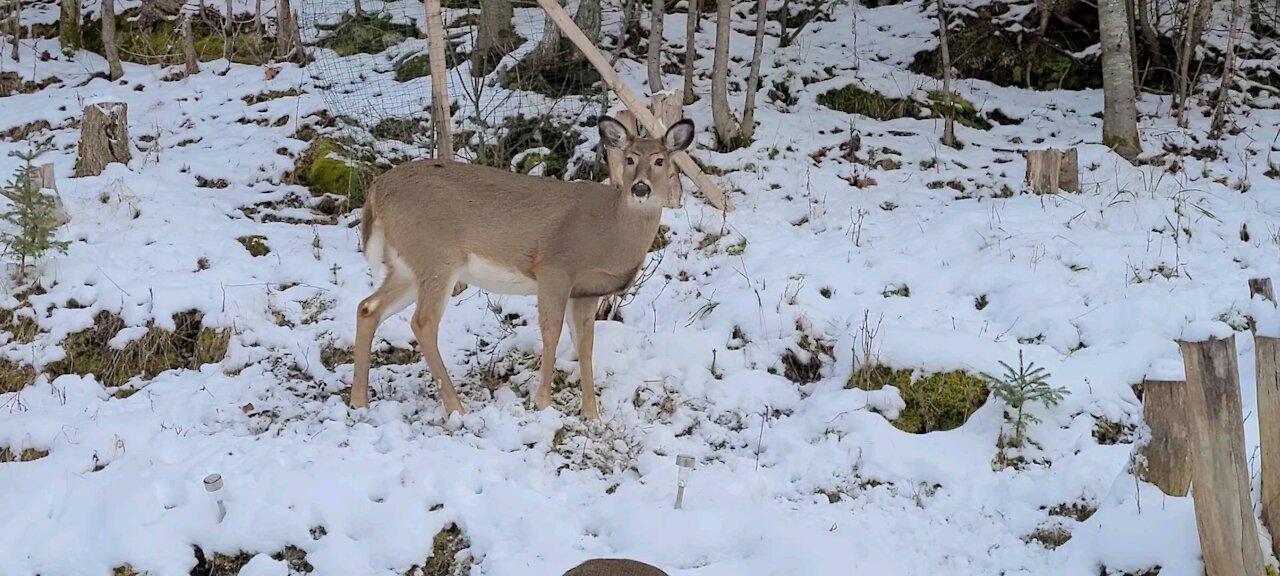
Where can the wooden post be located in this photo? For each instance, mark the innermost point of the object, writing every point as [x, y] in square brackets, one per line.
[189, 46]
[1219, 472]
[1267, 351]
[629, 99]
[104, 137]
[1262, 286]
[440, 103]
[46, 181]
[1051, 170]
[1267, 366]
[1164, 407]
[668, 106]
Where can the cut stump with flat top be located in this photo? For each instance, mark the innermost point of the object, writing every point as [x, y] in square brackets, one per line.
[104, 138]
[1219, 473]
[1052, 170]
[1168, 456]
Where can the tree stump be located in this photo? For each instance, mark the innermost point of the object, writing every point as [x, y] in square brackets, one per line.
[104, 137]
[1051, 170]
[668, 107]
[1168, 457]
[1262, 286]
[1219, 472]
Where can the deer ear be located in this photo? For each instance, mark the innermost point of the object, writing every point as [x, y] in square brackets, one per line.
[679, 135]
[613, 133]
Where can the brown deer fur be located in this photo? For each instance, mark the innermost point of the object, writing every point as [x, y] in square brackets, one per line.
[436, 224]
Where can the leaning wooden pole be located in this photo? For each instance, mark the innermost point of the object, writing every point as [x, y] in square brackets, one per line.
[439, 81]
[1267, 363]
[1219, 473]
[633, 103]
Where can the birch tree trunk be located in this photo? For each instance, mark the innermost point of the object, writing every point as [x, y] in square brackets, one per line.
[1195, 19]
[1228, 71]
[748, 128]
[1120, 105]
[1149, 36]
[15, 31]
[949, 121]
[69, 27]
[657, 17]
[496, 36]
[109, 44]
[189, 47]
[691, 51]
[726, 126]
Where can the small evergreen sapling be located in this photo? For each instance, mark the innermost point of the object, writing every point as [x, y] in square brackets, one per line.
[34, 215]
[1017, 388]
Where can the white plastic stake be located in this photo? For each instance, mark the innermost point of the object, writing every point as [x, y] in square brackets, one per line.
[213, 485]
[685, 465]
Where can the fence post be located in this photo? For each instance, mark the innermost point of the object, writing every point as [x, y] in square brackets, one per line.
[1219, 472]
[1267, 365]
[440, 103]
[1165, 409]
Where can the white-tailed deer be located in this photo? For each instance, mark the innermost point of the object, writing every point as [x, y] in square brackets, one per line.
[614, 567]
[435, 225]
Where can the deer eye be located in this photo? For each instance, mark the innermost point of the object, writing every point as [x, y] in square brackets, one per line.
[631, 161]
[659, 162]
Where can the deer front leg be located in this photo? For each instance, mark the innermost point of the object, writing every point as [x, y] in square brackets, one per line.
[553, 298]
[582, 326]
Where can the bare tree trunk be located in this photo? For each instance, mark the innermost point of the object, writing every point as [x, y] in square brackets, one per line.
[1120, 102]
[228, 39]
[726, 126]
[1195, 19]
[1149, 36]
[496, 36]
[359, 10]
[588, 18]
[16, 30]
[657, 18]
[283, 36]
[189, 47]
[748, 128]
[69, 27]
[548, 48]
[1228, 71]
[690, 51]
[109, 45]
[257, 15]
[949, 121]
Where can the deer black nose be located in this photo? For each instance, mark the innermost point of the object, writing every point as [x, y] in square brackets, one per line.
[641, 189]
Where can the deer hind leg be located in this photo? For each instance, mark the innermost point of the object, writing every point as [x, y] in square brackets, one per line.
[395, 294]
[582, 327]
[433, 295]
[553, 298]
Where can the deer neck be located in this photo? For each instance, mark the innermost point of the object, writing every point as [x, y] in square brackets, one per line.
[636, 224]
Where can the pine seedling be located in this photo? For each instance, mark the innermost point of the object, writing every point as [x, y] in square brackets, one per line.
[1028, 384]
[33, 214]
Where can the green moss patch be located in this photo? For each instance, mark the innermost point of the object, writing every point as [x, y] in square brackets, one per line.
[415, 66]
[160, 42]
[190, 346]
[365, 34]
[523, 133]
[963, 110]
[854, 100]
[30, 454]
[934, 401]
[256, 245]
[983, 49]
[568, 74]
[448, 556]
[330, 167]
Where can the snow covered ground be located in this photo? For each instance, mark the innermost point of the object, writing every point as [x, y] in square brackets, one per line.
[791, 479]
